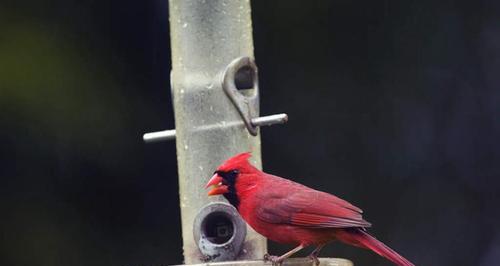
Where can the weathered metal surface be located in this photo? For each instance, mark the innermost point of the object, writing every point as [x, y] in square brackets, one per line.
[206, 35]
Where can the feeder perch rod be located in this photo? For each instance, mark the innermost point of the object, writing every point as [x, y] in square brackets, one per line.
[257, 122]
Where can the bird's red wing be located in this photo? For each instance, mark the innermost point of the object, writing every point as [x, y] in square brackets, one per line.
[303, 206]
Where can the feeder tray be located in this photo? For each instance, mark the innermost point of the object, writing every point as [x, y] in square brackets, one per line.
[287, 262]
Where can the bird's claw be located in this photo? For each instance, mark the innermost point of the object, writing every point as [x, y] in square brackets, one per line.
[275, 260]
[314, 258]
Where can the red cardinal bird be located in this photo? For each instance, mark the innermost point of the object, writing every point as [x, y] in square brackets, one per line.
[291, 213]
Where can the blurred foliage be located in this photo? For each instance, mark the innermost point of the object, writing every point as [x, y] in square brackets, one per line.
[51, 87]
[73, 109]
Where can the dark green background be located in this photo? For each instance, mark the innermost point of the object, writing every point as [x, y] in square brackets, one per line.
[393, 105]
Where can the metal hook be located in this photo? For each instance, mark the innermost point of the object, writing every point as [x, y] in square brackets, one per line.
[247, 105]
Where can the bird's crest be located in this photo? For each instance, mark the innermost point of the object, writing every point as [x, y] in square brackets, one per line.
[237, 161]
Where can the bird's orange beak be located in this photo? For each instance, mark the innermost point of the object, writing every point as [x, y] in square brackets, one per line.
[218, 186]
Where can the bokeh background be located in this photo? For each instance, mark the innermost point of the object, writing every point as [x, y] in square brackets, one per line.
[393, 105]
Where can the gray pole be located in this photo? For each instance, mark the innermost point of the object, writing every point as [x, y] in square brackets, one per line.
[206, 36]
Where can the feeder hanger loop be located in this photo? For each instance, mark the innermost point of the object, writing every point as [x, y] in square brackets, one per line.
[235, 80]
[247, 103]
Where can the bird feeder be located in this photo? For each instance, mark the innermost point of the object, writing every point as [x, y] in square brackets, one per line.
[214, 85]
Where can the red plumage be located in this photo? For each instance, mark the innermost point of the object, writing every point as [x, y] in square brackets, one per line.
[291, 213]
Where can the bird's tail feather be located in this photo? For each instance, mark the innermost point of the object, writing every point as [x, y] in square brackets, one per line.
[360, 238]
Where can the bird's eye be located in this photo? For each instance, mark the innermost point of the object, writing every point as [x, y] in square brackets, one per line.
[235, 172]
[231, 175]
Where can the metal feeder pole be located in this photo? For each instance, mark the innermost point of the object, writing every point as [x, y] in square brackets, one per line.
[206, 36]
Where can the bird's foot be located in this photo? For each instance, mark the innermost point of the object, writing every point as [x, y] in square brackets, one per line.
[314, 258]
[275, 260]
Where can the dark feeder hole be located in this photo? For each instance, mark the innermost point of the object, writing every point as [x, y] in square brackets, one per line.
[244, 80]
[217, 228]
[219, 231]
